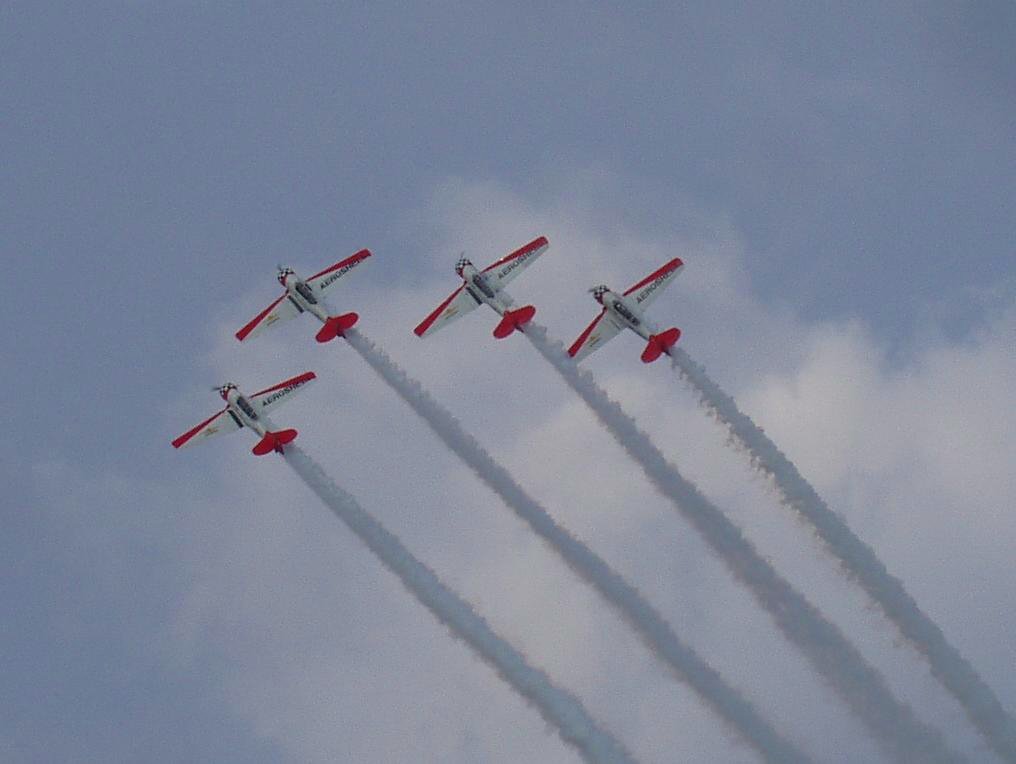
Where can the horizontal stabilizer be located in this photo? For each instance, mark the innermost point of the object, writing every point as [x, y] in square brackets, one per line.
[274, 441]
[335, 326]
[659, 344]
[514, 319]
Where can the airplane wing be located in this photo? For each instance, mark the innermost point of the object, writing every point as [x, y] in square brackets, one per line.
[327, 278]
[458, 304]
[271, 397]
[280, 309]
[595, 335]
[217, 424]
[507, 268]
[650, 287]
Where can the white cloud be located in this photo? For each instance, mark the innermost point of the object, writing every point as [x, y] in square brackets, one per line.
[329, 658]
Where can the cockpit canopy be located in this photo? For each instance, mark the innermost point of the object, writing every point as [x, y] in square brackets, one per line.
[245, 406]
[306, 292]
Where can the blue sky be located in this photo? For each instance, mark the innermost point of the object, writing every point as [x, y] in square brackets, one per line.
[839, 177]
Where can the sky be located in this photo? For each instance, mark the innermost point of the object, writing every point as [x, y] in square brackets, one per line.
[841, 185]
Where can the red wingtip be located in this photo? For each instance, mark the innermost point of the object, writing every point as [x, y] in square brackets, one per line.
[335, 326]
[514, 319]
[659, 344]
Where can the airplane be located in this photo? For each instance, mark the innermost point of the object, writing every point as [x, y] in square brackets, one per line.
[242, 411]
[626, 312]
[486, 287]
[305, 296]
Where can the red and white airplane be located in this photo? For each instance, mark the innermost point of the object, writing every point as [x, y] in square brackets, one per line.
[305, 296]
[487, 286]
[625, 311]
[242, 411]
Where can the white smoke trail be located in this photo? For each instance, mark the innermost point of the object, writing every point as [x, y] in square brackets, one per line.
[863, 689]
[654, 630]
[858, 561]
[559, 708]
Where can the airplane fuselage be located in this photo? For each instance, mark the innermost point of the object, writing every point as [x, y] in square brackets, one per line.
[481, 291]
[243, 412]
[626, 313]
[302, 296]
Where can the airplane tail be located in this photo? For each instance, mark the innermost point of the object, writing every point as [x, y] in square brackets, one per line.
[659, 344]
[513, 319]
[274, 441]
[336, 325]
